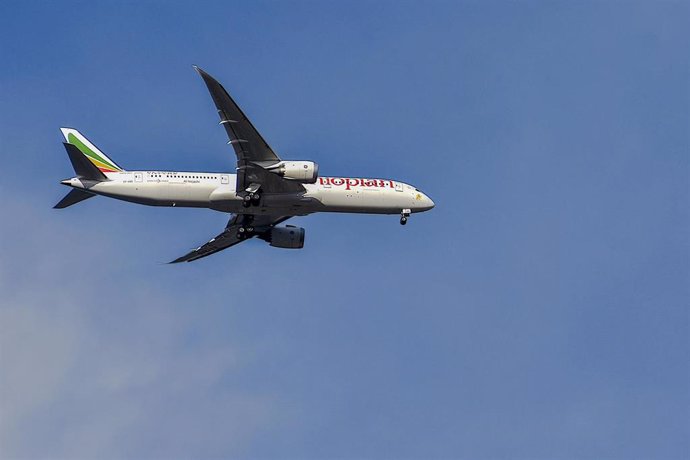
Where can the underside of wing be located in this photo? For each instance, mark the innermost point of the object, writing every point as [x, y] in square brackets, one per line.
[249, 145]
[270, 183]
[240, 228]
[253, 152]
[220, 242]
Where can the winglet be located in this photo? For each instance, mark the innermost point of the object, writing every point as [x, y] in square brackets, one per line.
[199, 70]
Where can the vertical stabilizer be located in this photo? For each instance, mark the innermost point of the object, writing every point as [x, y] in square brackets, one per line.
[84, 168]
[90, 151]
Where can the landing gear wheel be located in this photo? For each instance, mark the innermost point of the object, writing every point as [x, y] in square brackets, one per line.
[255, 197]
[250, 229]
[404, 214]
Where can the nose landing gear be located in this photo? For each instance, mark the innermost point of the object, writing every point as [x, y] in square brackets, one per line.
[404, 214]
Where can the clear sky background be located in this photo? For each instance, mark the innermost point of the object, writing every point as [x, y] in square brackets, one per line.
[539, 311]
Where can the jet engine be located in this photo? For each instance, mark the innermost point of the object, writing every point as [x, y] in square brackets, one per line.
[289, 237]
[300, 171]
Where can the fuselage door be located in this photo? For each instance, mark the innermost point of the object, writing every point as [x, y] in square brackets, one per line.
[224, 179]
[138, 177]
[398, 187]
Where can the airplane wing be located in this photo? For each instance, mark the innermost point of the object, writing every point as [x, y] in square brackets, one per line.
[230, 236]
[250, 147]
[245, 139]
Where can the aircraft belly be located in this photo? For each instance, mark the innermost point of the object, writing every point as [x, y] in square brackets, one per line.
[223, 199]
[289, 204]
[185, 194]
[358, 200]
[157, 194]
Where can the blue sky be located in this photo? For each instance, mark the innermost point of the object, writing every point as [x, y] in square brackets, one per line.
[539, 311]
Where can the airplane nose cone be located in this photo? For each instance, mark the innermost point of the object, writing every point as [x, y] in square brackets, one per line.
[426, 204]
[421, 201]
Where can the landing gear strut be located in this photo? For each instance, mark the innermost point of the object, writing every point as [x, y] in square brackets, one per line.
[404, 215]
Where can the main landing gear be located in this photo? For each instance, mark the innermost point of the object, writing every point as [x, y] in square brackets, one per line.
[252, 197]
[404, 215]
[244, 232]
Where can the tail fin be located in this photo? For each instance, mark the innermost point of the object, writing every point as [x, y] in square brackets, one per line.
[90, 151]
[73, 197]
[84, 168]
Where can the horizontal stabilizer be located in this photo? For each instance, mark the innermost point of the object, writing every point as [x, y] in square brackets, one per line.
[73, 197]
[84, 168]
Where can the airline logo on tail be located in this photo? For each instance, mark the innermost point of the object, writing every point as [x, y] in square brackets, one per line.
[90, 151]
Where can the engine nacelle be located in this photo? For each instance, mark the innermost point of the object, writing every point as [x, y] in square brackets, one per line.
[300, 171]
[288, 237]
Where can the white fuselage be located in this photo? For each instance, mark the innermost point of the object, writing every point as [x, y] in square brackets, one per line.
[217, 191]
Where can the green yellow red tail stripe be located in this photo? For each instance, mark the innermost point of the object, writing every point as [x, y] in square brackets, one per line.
[98, 158]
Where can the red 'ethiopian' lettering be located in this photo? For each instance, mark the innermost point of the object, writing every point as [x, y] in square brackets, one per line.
[350, 182]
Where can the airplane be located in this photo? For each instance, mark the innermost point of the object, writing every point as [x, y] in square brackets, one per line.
[264, 192]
